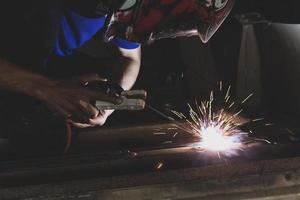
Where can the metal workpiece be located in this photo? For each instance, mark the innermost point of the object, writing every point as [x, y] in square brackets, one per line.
[122, 178]
[154, 162]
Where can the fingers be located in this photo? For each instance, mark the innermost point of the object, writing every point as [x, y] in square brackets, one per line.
[96, 117]
[82, 114]
[79, 125]
[72, 110]
[100, 119]
[91, 77]
[99, 95]
[90, 95]
[90, 110]
[105, 97]
[73, 103]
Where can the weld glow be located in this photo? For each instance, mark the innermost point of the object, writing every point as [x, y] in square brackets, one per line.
[218, 130]
[213, 139]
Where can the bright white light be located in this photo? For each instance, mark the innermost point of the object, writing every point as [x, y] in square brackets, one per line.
[213, 140]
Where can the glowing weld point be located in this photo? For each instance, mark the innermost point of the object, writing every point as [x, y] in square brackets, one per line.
[159, 165]
[214, 140]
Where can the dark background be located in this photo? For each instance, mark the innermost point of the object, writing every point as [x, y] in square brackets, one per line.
[176, 71]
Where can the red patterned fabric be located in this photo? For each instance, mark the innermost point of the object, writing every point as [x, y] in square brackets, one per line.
[153, 18]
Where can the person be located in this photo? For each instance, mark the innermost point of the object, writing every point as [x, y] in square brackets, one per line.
[35, 31]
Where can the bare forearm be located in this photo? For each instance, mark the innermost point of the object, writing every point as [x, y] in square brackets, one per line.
[126, 69]
[125, 73]
[70, 101]
[16, 79]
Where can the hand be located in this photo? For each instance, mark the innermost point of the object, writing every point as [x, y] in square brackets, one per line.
[71, 100]
[97, 121]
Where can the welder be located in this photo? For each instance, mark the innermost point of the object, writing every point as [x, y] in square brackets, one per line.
[34, 32]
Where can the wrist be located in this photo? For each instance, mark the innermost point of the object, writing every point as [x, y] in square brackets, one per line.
[17, 79]
[42, 88]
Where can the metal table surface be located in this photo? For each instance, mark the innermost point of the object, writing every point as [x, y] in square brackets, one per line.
[147, 162]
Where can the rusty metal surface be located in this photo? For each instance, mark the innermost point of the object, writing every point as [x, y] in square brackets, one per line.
[122, 163]
[220, 181]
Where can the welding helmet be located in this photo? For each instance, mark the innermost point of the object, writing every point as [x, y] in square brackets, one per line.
[145, 21]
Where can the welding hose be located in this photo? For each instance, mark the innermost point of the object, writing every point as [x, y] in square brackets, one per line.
[68, 137]
[109, 88]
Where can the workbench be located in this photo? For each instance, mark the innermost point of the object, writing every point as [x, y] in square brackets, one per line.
[147, 162]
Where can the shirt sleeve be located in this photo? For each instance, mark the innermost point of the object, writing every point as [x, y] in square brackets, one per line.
[125, 44]
[75, 30]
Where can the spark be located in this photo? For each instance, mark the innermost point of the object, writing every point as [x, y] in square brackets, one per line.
[269, 124]
[217, 131]
[247, 98]
[160, 133]
[221, 86]
[134, 154]
[227, 99]
[231, 105]
[257, 120]
[214, 139]
[290, 131]
[238, 113]
[263, 140]
[228, 92]
[159, 165]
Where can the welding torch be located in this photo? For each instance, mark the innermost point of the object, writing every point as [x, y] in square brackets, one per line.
[131, 100]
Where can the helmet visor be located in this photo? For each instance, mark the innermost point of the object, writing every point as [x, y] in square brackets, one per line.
[219, 10]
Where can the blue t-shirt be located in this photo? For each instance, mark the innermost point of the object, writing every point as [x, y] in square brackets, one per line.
[36, 32]
[75, 30]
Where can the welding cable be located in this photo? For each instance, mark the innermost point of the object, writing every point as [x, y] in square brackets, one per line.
[171, 119]
[109, 88]
[68, 137]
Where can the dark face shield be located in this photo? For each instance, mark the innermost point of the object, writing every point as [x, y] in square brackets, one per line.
[145, 21]
[217, 16]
